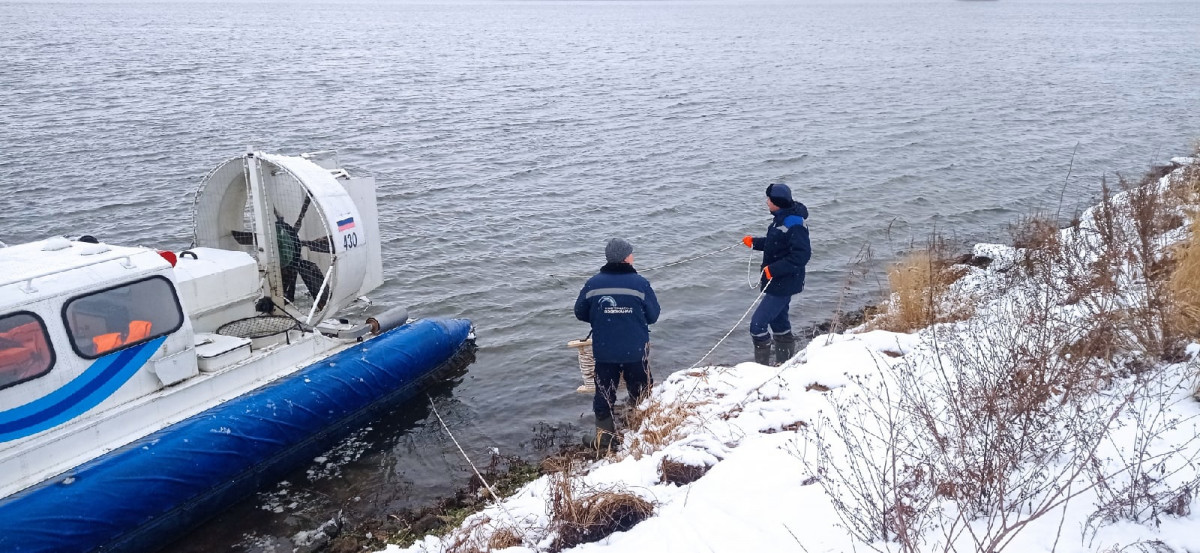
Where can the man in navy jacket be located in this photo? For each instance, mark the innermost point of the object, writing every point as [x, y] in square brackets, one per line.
[786, 251]
[620, 305]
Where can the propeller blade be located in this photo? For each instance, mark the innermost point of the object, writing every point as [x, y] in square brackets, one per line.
[244, 238]
[320, 245]
[303, 210]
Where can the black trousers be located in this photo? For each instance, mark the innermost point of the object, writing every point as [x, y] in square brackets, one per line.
[608, 376]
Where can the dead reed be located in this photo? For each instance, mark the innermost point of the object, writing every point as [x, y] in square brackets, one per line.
[920, 283]
[1184, 281]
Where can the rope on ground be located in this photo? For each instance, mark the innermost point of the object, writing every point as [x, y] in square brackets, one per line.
[496, 498]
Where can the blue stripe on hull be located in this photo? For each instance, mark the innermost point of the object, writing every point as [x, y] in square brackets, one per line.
[94, 385]
[143, 495]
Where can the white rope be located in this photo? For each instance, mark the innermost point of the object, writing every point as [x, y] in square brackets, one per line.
[682, 261]
[719, 342]
[750, 280]
[517, 527]
[671, 264]
[735, 326]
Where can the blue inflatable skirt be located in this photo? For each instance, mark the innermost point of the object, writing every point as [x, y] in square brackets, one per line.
[143, 495]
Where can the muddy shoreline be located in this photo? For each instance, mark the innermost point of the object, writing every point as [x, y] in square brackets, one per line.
[504, 474]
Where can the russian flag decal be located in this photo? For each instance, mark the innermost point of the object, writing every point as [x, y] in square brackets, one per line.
[346, 224]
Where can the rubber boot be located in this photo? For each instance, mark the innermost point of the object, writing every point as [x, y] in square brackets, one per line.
[606, 433]
[785, 347]
[603, 440]
[762, 352]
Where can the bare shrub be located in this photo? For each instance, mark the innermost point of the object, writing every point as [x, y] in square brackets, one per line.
[1187, 181]
[1000, 420]
[1037, 235]
[858, 271]
[1183, 283]
[1158, 477]
[1011, 422]
[1115, 248]
[864, 468]
[1151, 546]
[1150, 218]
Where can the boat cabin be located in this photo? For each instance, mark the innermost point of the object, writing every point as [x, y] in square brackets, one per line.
[66, 304]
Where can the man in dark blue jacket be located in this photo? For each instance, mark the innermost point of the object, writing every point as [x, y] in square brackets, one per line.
[620, 305]
[786, 251]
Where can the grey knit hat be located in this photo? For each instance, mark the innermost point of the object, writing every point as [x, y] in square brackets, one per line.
[617, 250]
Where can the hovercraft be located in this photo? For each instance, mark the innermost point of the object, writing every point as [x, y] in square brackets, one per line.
[143, 391]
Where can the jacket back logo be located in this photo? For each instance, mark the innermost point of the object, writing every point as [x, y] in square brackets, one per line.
[610, 307]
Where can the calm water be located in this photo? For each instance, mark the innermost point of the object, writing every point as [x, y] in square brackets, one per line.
[509, 139]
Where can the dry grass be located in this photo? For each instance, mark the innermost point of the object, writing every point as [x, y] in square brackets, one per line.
[504, 538]
[1184, 281]
[658, 424]
[1184, 284]
[912, 283]
[919, 284]
[680, 474]
[598, 515]
[580, 514]
[483, 535]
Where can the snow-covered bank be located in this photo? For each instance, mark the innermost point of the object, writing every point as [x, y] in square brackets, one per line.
[1058, 416]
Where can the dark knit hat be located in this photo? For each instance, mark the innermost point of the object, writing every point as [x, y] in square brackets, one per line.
[780, 194]
[617, 250]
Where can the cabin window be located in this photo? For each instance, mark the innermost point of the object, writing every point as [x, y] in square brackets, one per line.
[123, 316]
[25, 351]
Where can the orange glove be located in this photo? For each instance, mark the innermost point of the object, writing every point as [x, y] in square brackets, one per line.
[748, 241]
[767, 271]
